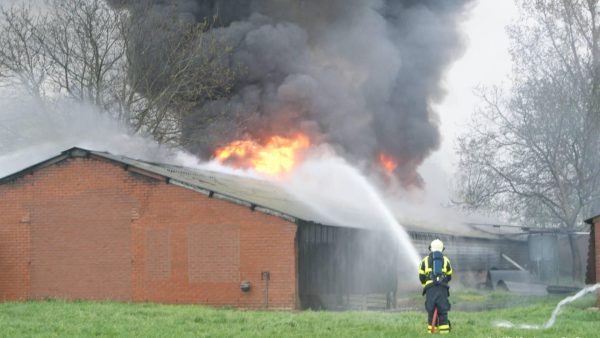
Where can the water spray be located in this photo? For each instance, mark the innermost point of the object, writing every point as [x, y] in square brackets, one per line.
[550, 322]
[343, 195]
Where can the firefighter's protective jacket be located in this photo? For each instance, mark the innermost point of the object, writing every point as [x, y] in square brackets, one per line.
[426, 272]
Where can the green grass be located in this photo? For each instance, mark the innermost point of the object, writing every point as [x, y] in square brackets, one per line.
[109, 319]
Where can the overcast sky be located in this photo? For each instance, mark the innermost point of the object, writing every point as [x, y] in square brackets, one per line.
[486, 62]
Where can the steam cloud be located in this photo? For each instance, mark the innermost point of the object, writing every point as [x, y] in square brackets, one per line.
[360, 75]
[31, 132]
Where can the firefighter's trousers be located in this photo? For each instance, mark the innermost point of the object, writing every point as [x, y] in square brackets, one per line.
[437, 296]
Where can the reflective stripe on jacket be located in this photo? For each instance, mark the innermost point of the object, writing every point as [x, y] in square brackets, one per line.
[426, 272]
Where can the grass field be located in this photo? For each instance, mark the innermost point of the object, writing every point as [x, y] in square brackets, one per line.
[109, 319]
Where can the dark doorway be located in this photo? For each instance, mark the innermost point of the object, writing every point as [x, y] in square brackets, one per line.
[346, 268]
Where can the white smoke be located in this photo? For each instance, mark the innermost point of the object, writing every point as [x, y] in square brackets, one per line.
[31, 132]
[342, 194]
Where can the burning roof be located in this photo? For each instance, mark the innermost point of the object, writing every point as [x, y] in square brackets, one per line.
[277, 156]
[361, 76]
[261, 195]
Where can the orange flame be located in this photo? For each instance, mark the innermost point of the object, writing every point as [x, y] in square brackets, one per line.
[387, 162]
[277, 156]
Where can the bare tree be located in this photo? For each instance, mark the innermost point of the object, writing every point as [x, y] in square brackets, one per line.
[171, 72]
[83, 40]
[94, 53]
[533, 151]
[22, 59]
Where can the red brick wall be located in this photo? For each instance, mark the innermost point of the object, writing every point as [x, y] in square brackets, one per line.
[14, 240]
[80, 247]
[596, 226]
[214, 245]
[87, 228]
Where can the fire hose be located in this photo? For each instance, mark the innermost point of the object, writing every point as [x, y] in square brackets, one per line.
[434, 320]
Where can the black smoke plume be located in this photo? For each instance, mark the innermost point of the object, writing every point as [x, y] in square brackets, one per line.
[360, 75]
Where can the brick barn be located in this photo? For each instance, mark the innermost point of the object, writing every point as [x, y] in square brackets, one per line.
[93, 225]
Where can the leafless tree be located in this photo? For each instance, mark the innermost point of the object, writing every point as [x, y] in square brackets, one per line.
[533, 152]
[83, 40]
[94, 53]
[171, 72]
[22, 58]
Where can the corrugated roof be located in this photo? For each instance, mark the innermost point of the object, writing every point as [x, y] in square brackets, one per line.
[258, 194]
[262, 195]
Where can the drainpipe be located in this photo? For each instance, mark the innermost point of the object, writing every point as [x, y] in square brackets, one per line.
[265, 275]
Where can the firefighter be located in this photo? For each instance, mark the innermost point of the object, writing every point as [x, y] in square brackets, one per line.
[435, 272]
